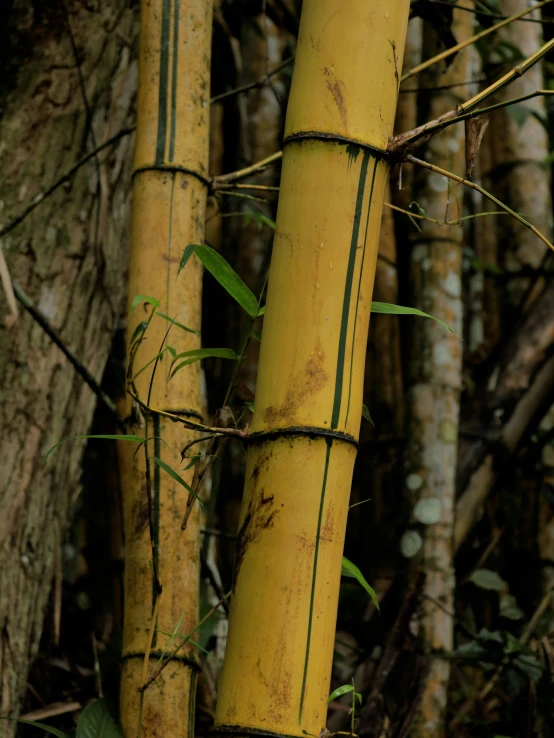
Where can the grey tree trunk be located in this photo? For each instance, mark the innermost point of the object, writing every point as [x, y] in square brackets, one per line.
[69, 255]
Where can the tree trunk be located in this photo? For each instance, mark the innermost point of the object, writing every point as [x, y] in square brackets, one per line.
[434, 396]
[69, 255]
[302, 446]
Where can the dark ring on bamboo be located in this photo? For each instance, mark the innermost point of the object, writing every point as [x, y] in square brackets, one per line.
[158, 655]
[233, 730]
[322, 136]
[170, 168]
[302, 430]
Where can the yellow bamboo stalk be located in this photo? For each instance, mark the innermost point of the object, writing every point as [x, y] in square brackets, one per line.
[169, 196]
[302, 444]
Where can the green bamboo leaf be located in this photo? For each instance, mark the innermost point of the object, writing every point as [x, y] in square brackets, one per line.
[386, 308]
[155, 358]
[179, 325]
[488, 579]
[144, 298]
[173, 474]
[225, 275]
[107, 437]
[339, 691]
[366, 415]
[198, 354]
[261, 312]
[139, 330]
[351, 570]
[257, 335]
[42, 726]
[96, 721]
[187, 253]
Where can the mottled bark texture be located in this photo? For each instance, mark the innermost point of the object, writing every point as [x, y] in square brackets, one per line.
[434, 395]
[516, 388]
[520, 174]
[69, 255]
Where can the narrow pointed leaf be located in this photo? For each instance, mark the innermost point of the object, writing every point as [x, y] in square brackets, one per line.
[366, 415]
[225, 275]
[386, 308]
[139, 330]
[198, 354]
[187, 253]
[351, 570]
[144, 298]
[339, 691]
[107, 437]
[173, 474]
[42, 726]
[174, 322]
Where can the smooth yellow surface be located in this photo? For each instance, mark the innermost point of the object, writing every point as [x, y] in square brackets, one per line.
[347, 69]
[277, 667]
[185, 97]
[168, 211]
[309, 270]
[268, 645]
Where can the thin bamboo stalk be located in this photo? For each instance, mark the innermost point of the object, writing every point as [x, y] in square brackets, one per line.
[169, 196]
[473, 39]
[302, 443]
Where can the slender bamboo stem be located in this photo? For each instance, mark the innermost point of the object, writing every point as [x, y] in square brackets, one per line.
[463, 44]
[405, 141]
[492, 198]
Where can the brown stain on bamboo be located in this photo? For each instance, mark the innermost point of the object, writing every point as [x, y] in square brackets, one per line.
[305, 386]
[337, 89]
[260, 516]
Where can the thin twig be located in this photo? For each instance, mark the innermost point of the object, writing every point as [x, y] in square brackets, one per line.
[66, 177]
[488, 14]
[241, 173]
[404, 141]
[174, 653]
[484, 192]
[81, 370]
[467, 42]
[261, 82]
[525, 636]
[237, 432]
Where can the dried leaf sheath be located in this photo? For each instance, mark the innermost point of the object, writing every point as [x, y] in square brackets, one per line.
[169, 195]
[309, 390]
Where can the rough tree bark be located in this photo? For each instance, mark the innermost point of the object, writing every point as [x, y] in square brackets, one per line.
[69, 256]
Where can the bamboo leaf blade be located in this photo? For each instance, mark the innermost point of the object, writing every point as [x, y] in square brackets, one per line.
[190, 357]
[179, 325]
[173, 474]
[144, 298]
[350, 569]
[222, 271]
[106, 437]
[387, 308]
[42, 726]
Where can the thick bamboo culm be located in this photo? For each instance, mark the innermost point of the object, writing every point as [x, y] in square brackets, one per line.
[277, 666]
[169, 197]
